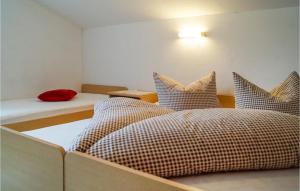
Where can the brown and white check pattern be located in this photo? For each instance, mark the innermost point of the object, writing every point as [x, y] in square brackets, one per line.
[197, 95]
[206, 140]
[113, 114]
[284, 98]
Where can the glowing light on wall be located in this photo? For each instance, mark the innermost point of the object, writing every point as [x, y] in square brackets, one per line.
[193, 36]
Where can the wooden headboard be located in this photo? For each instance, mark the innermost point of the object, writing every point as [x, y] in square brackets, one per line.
[100, 89]
[226, 101]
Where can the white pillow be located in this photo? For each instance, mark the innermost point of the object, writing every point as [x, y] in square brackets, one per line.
[283, 98]
[200, 94]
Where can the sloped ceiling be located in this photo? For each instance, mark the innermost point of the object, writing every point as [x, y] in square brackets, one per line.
[95, 13]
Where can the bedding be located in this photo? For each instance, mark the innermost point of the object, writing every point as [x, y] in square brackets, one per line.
[191, 141]
[13, 111]
[111, 115]
[263, 180]
[62, 134]
[283, 98]
[197, 95]
[205, 140]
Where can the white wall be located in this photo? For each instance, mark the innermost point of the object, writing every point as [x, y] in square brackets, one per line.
[40, 50]
[0, 46]
[260, 45]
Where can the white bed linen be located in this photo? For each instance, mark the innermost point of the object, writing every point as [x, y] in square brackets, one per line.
[62, 134]
[266, 180]
[13, 111]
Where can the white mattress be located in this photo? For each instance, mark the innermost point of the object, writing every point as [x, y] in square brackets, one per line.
[13, 111]
[61, 135]
[267, 180]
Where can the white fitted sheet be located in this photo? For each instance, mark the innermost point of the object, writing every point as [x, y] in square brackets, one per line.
[62, 134]
[13, 111]
[266, 180]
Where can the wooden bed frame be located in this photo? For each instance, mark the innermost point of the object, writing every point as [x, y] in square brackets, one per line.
[30, 164]
[86, 173]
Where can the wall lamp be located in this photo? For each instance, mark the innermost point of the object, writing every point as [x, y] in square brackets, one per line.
[191, 34]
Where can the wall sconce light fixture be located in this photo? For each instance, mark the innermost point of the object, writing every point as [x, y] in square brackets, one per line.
[189, 34]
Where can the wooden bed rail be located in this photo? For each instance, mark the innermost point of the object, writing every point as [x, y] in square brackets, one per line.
[84, 172]
[29, 164]
[50, 121]
[100, 89]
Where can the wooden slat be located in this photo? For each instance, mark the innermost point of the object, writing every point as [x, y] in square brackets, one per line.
[150, 98]
[84, 172]
[227, 101]
[137, 94]
[49, 121]
[100, 89]
[29, 164]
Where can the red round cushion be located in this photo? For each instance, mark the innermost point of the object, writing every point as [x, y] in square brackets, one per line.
[57, 95]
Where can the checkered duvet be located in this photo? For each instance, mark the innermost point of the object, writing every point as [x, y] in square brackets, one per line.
[113, 114]
[204, 140]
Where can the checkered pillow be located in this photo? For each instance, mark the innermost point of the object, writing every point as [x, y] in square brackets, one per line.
[113, 114]
[206, 140]
[284, 98]
[197, 95]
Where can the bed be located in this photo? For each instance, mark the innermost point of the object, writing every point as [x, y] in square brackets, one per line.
[20, 110]
[28, 114]
[267, 180]
[74, 171]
